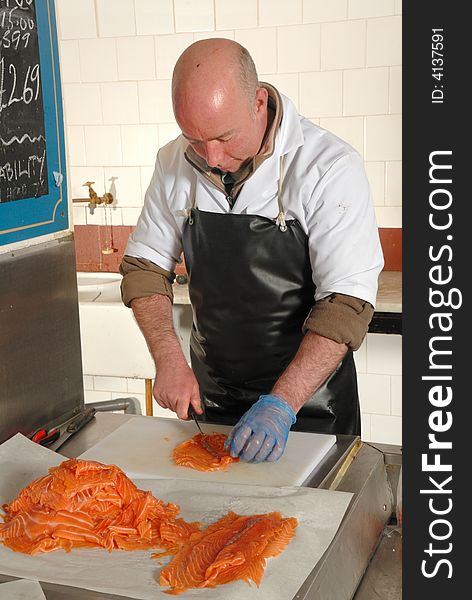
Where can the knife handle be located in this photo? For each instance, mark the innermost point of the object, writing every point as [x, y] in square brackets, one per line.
[193, 413]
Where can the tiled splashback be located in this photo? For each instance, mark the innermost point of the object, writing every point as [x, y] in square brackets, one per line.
[339, 61]
[90, 241]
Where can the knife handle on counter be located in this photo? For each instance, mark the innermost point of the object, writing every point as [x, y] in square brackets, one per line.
[56, 436]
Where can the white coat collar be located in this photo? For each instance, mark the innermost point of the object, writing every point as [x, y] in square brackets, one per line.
[264, 181]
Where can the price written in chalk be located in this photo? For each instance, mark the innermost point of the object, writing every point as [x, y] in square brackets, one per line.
[23, 159]
[16, 28]
[21, 91]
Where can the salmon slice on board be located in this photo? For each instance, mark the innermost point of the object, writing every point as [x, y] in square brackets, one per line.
[88, 504]
[235, 547]
[204, 453]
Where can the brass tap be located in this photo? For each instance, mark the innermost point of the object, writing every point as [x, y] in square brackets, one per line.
[92, 193]
[107, 198]
[94, 199]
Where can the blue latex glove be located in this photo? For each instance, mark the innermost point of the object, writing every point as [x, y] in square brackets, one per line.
[262, 432]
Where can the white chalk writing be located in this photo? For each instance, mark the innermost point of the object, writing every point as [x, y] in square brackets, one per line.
[23, 162]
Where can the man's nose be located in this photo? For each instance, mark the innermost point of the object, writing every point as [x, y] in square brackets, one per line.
[214, 153]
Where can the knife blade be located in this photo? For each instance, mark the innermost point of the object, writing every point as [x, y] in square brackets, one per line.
[193, 414]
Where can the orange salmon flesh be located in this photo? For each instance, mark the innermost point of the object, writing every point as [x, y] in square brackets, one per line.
[204, 453]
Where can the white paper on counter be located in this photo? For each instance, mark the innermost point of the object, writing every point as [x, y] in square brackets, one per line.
[135, 574]
[21, 589]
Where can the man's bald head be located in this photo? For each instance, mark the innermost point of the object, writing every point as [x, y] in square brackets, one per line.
[206, 64]
[218, 103]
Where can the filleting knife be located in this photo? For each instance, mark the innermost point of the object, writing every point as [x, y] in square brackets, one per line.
[193, 414]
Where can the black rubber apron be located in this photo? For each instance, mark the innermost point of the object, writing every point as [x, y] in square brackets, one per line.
[251, 289]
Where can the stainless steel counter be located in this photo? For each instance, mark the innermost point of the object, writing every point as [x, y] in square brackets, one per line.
[360, 553]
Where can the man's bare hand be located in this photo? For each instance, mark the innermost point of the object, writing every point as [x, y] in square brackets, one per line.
[175, 387]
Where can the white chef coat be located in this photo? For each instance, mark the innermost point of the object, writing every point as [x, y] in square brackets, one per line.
[325, 188]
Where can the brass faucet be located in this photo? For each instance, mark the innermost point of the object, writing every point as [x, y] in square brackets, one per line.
[94, 199]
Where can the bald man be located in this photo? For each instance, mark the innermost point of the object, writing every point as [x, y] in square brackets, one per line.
[275, 220]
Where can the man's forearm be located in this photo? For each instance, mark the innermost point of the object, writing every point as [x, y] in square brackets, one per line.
[154, 317]
[175, 386]
[316, 359]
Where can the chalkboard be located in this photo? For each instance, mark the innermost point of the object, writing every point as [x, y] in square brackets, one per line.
[23, 160]
[33, 182]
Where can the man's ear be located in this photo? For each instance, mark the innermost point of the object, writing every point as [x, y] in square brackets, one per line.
[262, 96]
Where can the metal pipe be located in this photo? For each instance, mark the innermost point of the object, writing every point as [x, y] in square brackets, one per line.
[129, 405]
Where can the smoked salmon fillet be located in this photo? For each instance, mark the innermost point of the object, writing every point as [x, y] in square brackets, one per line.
[84, 503]
[235, 547]
[204, 453]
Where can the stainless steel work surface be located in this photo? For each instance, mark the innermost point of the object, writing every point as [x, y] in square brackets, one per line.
[350, 466]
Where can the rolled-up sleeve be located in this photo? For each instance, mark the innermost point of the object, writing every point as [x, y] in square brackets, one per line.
[343, 319]
[143, 278]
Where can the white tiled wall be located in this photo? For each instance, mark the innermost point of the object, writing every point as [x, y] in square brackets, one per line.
[98, 389]
[338, 60]
[379, 369]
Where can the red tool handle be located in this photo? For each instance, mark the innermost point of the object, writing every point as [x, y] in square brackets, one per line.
[39, 435]
[44, 437]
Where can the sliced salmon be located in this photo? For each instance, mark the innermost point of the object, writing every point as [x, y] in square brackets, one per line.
[87, 504]
[204, 453]
[235, 547]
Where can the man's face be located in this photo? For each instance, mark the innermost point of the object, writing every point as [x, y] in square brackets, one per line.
[226, 131]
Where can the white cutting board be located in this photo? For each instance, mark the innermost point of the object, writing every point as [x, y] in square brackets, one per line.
[143, 446]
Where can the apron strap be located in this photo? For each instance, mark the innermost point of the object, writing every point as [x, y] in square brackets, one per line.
[188, 211]
[280, 220]
[194, 193]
